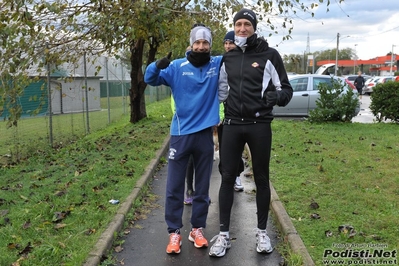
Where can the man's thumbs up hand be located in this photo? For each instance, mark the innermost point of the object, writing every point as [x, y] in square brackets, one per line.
[164, 62]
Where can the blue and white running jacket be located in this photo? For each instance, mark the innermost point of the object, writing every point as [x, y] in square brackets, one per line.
[195, 91]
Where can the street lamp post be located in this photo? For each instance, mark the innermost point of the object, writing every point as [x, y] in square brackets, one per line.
[390, 71]
[336, 56]
[354, 61]
[336, 53]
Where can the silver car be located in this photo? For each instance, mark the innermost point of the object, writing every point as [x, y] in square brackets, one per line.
[306, 93]
[370, 84]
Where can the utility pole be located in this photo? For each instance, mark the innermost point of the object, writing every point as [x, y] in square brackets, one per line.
[307, 54]
[354, 62]
[390, 71]
[336, 55]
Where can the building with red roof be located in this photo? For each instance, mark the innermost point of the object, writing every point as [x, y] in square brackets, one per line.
[378, 66]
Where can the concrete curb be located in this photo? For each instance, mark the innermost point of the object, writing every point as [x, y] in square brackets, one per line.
[287, 228]
[107, 238]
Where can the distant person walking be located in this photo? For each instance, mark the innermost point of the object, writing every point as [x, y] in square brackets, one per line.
[359, 83]
[193, 81]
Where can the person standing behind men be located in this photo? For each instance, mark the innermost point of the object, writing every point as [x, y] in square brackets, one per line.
[256, 80]
[194, 84]
[228, 44]
[359, 83]
[228, 41]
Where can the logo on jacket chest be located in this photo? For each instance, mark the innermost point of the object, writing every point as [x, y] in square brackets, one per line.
[255, 65]
[211, 72]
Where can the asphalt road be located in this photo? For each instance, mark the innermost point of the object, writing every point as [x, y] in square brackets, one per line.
[146, 243]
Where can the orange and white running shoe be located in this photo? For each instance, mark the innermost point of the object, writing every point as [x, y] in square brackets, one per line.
[196, 236]
[174, 243]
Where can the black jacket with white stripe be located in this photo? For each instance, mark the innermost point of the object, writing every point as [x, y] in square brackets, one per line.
[251, 75]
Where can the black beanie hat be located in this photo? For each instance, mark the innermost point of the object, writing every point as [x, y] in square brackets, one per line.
[229, 36]
[246, 14]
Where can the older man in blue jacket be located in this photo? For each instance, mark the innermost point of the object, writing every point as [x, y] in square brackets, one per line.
[194, 84]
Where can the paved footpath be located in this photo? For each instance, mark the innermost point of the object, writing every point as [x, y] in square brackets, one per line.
[146, 243]
[365, 115]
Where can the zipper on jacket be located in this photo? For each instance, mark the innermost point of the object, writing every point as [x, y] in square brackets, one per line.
[241, 81]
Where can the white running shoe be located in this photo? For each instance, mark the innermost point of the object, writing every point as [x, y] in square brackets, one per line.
[221, 245]
[237, 185]
[263, 244]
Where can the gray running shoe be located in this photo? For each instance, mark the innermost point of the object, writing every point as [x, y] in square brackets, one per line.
[263, 244]
[238, 185]
[218, 249]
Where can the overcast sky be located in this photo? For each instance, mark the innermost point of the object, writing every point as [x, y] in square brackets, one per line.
[371, 24]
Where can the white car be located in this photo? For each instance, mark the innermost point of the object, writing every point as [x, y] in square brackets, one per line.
[351, 78]
[370, 84]
[306, 93]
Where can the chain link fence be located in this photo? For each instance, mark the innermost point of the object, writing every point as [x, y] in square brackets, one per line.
[71, 107]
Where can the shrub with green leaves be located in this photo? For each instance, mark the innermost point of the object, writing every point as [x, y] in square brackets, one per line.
[335, 104]
[385, 101]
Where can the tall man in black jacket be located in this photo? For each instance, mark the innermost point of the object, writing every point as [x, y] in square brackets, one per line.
[256, 80]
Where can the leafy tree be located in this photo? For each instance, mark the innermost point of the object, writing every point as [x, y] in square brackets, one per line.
[293, 63]
[39, 34]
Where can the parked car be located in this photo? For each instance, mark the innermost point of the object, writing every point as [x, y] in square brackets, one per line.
[370, 84]
[385, 79]
[351, 78]
[289, 74]
[306, 93]
[350, 84]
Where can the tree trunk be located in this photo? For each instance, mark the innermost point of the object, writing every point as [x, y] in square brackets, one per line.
[138, 86]
[136, 93]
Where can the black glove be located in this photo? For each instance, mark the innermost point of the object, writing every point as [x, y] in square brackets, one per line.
[262, 45]
[164, 62]
[271, 98]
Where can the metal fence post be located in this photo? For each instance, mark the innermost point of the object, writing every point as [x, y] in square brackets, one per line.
[86, 95]
[49, 107]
